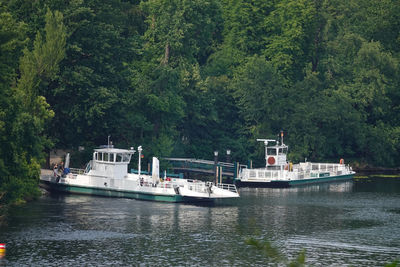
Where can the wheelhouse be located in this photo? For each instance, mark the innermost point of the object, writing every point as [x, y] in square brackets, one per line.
[112, 155]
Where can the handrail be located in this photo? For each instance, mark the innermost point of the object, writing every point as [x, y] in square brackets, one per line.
[230, 187]
[88, 166]
[193, 160]
[300, 171]
[76, 171]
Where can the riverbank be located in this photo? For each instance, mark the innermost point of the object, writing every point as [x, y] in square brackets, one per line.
[3, 210]
[369, 170]
[364, 176]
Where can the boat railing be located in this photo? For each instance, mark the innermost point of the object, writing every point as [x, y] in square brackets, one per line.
[197, 187]
[261, 174]
[76, 171]
[88, 166]
[299, 171]
[308, 168]
[332, 168]
[230, 187]
[193, 185]
[151, 184]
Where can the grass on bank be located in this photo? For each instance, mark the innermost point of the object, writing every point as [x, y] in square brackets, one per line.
[377, 176]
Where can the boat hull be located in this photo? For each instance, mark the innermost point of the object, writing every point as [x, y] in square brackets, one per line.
[292, 183]
[84, 190]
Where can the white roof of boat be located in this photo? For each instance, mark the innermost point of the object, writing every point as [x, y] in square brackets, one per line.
[114, 150]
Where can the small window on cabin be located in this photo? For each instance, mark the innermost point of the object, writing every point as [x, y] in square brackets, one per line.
[282, 151]
[112, 157]
[119, 158]
[100, 156]
[271, 151]
[105, 157]
[95, 155]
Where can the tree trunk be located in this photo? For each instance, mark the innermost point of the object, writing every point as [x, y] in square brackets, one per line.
[166, 54]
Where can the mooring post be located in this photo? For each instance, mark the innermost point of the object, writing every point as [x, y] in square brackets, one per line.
[140, 155]
[215, 166]
[220, 174]
[235, 170]
[228, 156]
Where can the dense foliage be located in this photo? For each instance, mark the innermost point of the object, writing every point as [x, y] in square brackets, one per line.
[187, 77]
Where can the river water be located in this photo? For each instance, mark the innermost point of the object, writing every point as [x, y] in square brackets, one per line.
[345, 224]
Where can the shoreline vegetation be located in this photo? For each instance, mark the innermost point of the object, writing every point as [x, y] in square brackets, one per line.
[377, 172]
[388, 176]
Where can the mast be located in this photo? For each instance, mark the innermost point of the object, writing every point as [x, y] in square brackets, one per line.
[140, 155]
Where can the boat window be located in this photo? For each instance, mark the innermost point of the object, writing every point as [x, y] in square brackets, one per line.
[271, 151]
[119, 158]
[314, 167]
[283, 150]
[100, 157]
[105, 157]
[278, 167]
[95, 155]
[112, 157]
[126, 157]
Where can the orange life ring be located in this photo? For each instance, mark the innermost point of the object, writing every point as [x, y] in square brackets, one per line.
[341, 161]
[271, 160]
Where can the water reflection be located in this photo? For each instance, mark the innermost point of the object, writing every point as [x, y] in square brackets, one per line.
[324, 187]
[132, 216]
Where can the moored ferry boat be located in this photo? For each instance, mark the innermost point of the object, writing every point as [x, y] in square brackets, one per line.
[278, 172]
[107, 175]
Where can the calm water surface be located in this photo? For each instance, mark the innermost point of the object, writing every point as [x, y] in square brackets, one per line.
[353, 223]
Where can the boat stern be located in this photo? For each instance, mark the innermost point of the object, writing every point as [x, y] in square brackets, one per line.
[224, 191]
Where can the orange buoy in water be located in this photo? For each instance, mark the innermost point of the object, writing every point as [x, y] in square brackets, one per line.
[2, 250]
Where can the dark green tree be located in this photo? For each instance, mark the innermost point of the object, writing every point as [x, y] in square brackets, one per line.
[90, 99]
[28, 112]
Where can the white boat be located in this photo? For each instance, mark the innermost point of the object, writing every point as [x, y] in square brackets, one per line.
[107, 175]
[278, 172]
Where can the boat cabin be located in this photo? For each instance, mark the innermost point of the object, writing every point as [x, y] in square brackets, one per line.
[275, 154]
[110, 162]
